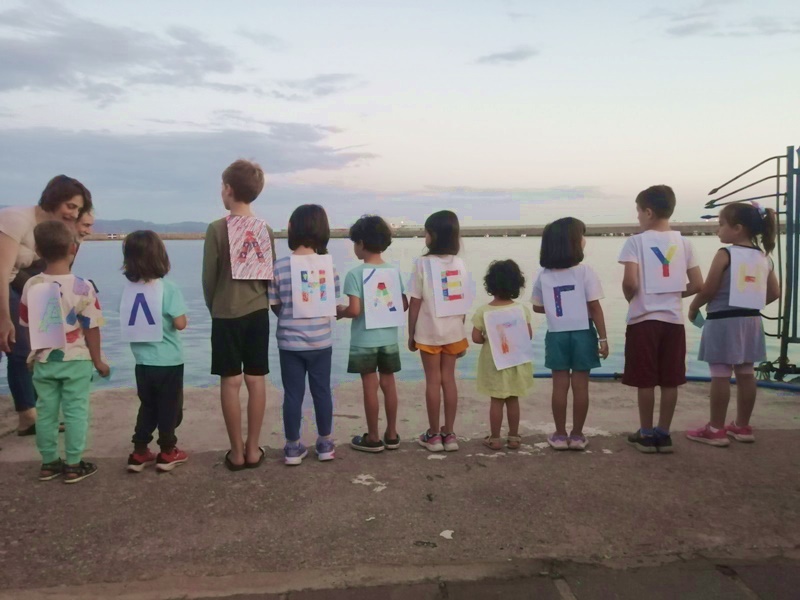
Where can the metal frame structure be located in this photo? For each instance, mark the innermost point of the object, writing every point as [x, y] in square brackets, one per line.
[787, 209]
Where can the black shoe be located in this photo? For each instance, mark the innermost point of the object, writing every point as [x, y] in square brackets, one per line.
[27, 431]
[643, 443]
[391, 444]
[663, 443]
[362, 444]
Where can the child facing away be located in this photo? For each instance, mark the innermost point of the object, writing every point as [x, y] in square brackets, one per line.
[239, 315]
[439, 336]
[503, 281]
[62, 374]
[657, 263]
[159, 365]
[305, 344]
[569, 294]
[740, 282]
[374, 352]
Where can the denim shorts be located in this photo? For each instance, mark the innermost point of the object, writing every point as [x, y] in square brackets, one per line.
[571, 350]
[384, 359]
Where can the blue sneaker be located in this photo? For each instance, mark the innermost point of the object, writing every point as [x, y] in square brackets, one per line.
[326, 449]
[293, 454]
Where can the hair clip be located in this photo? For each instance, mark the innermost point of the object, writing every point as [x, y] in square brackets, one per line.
[761, 210]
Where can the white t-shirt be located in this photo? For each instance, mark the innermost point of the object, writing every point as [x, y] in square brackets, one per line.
[432, 330]
[18, 222]
[666, 307]
[591, 283]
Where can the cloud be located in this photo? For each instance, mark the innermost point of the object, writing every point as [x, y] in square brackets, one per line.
[47, 47]
[516, 55]
[262, 38]
[517, 16]
[708, 20]
[326, 84]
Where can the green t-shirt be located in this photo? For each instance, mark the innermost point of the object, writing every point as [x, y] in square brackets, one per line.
[169, 351]
[360, 336]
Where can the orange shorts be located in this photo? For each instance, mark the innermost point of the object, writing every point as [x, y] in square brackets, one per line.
[454, 348]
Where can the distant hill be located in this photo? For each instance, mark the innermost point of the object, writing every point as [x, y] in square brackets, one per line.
[128, 225]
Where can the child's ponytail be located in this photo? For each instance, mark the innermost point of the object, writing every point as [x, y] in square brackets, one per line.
[769, 230]
[757, 221]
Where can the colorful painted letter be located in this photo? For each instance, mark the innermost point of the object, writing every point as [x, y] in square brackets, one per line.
[451, 285]
[311, 281]
[137, 302]
[665, 260]
[557, 291]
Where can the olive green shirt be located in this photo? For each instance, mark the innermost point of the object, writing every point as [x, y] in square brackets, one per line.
[226, 297]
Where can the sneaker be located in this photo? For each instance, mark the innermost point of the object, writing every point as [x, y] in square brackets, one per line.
[79, 472]
[362, 444]
[166, 461]
[558, 442]
[431, 441]
[326, 449]
[643, 443]
[293, 454]
[740, 434]
[450, 441]
[663, 441]
[137, 462]
[578, 442]
[391, 444]
[704, 435]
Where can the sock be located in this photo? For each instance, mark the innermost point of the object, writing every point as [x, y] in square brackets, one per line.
[661, 432]
[139, 448]
[647, 432]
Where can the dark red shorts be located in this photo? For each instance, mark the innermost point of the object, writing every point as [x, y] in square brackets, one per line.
[655, 355]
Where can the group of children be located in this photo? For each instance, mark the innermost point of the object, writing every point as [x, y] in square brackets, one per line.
[242, 282]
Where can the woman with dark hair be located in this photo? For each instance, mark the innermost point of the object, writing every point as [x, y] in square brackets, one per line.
[63, 198]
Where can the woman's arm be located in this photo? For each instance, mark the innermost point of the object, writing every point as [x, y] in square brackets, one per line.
[711, 285]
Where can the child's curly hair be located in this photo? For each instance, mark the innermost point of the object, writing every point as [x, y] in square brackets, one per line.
[504, 280]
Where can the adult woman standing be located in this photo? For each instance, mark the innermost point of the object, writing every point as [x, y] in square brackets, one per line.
[63, 198]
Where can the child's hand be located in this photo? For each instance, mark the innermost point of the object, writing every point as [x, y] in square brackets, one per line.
[412, 345]
[103, 369]
[603, 350]
[693, 313]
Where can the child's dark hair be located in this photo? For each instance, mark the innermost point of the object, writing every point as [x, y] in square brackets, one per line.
[658, 198]
[308, 226]
[144, 256]
[757, 221]
[62, 188]
[246, 179]
[504, 280]
[562, 245]
[445, 233]
[54, 240]
[373, 232]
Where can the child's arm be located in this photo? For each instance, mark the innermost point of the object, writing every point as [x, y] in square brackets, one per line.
[538, 309]
[414, 304]
[477, 336]
[695, 282]
[351, 311]
[405, 303]
[773, 287]
[210, 266]
[596, 314]
[630, 280]
[93, 344]
[180, 323]
[530, 331]
[709, 288]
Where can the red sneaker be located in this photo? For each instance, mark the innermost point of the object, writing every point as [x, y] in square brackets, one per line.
[137, 462]
[167, 461]
[740, 434]
[705, 435]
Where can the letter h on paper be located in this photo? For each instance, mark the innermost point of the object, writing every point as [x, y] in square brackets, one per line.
[312, 281]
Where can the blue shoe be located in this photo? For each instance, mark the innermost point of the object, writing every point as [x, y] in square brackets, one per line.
[326, 449]
[293, 454]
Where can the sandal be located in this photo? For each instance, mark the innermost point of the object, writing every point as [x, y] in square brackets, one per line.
[255, 465]
[79, 472]
[51, 470]
[232, 467]
[492, 443]
[30, 430]
[513, 442]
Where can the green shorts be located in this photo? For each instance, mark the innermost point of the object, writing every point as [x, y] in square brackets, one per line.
[384, 359]
[571, 350]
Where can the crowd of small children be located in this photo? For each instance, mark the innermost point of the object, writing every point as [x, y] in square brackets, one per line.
[655, 344]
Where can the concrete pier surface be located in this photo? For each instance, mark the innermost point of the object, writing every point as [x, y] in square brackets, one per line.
[607, 523]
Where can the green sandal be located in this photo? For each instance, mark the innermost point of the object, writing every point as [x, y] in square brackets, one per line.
[51, 470]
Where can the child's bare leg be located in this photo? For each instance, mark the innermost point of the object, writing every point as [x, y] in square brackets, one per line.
[559, 400]
[512, 411]
[666, 409]
[720, 395]
[646, 397]
[745, 398]
[256, 404]
[232, 413]
[496, 416]
[580, 400]
[431, 363]
[369, 384]
[389, 389]
[450, 391]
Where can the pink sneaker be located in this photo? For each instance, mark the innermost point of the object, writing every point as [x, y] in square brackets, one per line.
[704, 435]
[740, 434]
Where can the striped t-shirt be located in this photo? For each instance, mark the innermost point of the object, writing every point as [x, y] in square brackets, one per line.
[297, 334]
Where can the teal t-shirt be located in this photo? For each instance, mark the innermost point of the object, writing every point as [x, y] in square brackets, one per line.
[360, 336]
[169, 351]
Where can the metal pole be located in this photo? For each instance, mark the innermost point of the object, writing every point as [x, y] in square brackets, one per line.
[791, 266]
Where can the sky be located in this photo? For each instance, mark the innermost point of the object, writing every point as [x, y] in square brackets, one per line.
[506, 111]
